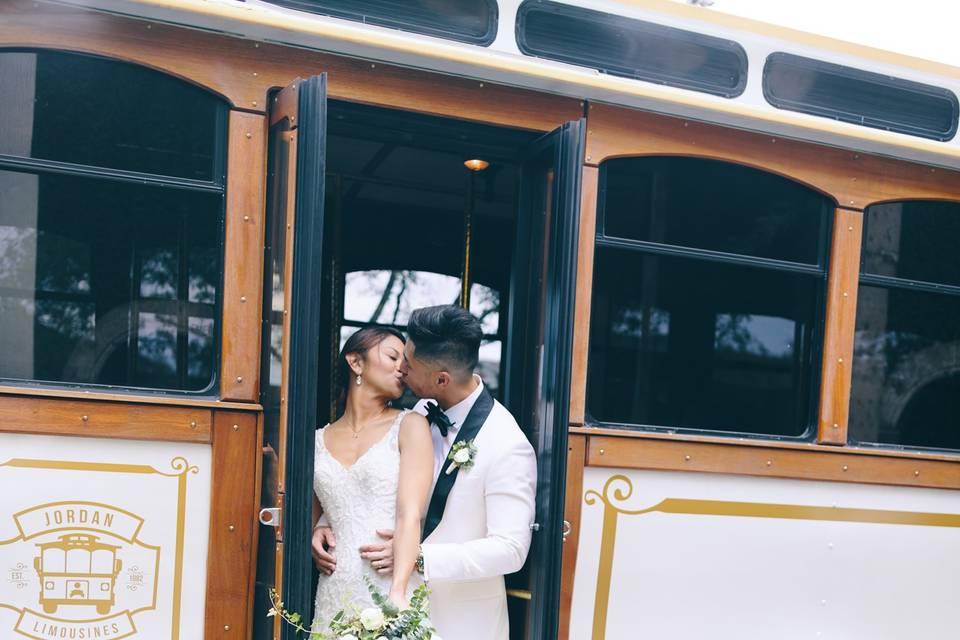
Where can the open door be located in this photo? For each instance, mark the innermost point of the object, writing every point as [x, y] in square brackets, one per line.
[294, 242]
[538, 369]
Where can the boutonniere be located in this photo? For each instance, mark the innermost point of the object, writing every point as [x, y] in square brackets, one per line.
[462, 455]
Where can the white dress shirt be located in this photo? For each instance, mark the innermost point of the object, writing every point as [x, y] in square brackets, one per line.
[457, 415]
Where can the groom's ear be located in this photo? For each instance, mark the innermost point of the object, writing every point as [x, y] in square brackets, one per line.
[443, 379]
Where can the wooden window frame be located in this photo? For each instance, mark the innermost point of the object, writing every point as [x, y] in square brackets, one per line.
[853, 180]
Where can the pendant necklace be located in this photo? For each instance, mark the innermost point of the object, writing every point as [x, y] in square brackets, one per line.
[356, 432]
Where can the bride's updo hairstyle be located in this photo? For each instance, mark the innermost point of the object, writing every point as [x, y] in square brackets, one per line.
[360, 343]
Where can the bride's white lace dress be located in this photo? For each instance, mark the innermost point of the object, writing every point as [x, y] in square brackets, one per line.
[357, 501]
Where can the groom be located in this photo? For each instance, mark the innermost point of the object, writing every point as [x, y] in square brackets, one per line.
[478, 523]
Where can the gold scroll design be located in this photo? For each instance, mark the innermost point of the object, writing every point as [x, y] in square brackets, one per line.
[612, 495]
[180, 470]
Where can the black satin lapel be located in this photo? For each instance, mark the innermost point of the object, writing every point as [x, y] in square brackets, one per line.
[471, 427]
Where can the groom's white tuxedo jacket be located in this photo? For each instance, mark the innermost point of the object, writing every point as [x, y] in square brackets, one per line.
[484, 532]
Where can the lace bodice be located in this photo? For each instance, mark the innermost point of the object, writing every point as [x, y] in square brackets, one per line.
[357, 501]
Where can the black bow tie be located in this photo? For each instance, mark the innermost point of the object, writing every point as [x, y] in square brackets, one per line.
[436, 416]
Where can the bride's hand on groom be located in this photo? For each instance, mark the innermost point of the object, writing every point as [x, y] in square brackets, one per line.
[380, 556]
[323, 545]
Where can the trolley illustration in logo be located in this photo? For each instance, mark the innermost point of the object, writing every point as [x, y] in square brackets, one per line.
[77, 569]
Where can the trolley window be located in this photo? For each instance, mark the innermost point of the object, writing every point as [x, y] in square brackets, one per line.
[852, 95]
[471, 21]
[708, 294]
[632, 48]
[111, 264]
[906, 367]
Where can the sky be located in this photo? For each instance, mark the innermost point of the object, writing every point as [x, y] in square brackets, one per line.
[923, 28]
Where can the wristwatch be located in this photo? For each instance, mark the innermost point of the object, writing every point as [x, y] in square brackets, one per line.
[420, 561]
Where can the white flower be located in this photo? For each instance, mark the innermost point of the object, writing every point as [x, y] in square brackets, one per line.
[349, 636]
[426, 623]
[372, 618]
[461, 456]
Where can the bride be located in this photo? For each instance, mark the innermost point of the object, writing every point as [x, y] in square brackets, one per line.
[373, 471]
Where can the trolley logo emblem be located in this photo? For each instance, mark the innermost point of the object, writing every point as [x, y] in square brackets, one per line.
[78, 551]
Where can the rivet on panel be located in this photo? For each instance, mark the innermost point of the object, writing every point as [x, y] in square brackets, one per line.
[686, 458]
[845, 294]
[256, 45]
[249, 135]
[769, 463]
[916, 473]
[589, 157]
[149, 26]
[84, 418]
[243, 298]
[254, 74]
[246, 218]
[231, 528]
[239, 378]
[373, 66]
[601, 451]
[846, 468]
[193, 424]
[840, 360]
[236, 427]
[773, 140]
[254, 103]
[851, 202]
[836, 426]
[850, 228]
[226, 627]
[481, 85]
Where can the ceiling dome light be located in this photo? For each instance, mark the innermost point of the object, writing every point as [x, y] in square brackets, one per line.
[476, 165]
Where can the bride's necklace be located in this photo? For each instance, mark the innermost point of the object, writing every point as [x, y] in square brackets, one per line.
[356, 432]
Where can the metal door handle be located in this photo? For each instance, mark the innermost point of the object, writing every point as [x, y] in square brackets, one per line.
[566, 530]
[270, 516]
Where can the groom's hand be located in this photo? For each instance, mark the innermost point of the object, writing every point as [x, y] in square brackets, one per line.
[380, 556]
[323, 544]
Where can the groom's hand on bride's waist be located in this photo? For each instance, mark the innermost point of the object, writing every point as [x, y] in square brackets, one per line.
[380, 555]
[323, 545]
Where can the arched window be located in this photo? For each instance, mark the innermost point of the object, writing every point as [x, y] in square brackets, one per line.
[907, 346]
[708, 297]
[111, 214]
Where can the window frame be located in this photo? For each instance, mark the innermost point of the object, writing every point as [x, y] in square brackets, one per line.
[217, 185]
[820, 271]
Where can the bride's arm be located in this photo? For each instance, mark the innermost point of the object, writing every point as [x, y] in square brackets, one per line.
[416, 476]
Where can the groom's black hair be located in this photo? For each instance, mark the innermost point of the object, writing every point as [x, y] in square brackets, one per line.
[446, 334]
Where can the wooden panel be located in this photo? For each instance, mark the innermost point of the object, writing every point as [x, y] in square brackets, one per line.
[243, 258]
[853, 179]
[837, 366]
[128, 398]
[576, 452]
[245, 70]
[814, 463]
[584, 295]
[20, 414]
[233, 529]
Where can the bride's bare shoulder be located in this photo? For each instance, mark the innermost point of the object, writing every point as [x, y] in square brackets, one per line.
[414, 422]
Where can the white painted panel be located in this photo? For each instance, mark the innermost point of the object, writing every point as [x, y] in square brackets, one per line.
[104, 503]
[682, 576]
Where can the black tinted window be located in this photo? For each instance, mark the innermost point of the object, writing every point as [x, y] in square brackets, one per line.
[108, 277]
[913, 241]
[708, 292]
[632, 48]
[861, 97]
[107, 283]
[91, 111]
[906, 370]
[744, 211]
[473, 21]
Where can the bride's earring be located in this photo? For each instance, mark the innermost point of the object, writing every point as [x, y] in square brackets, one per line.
[359, 380]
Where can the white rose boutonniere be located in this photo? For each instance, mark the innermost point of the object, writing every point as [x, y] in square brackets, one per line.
[462, 454]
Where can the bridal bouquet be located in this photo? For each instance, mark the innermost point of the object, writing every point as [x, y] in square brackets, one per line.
[381, 622]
